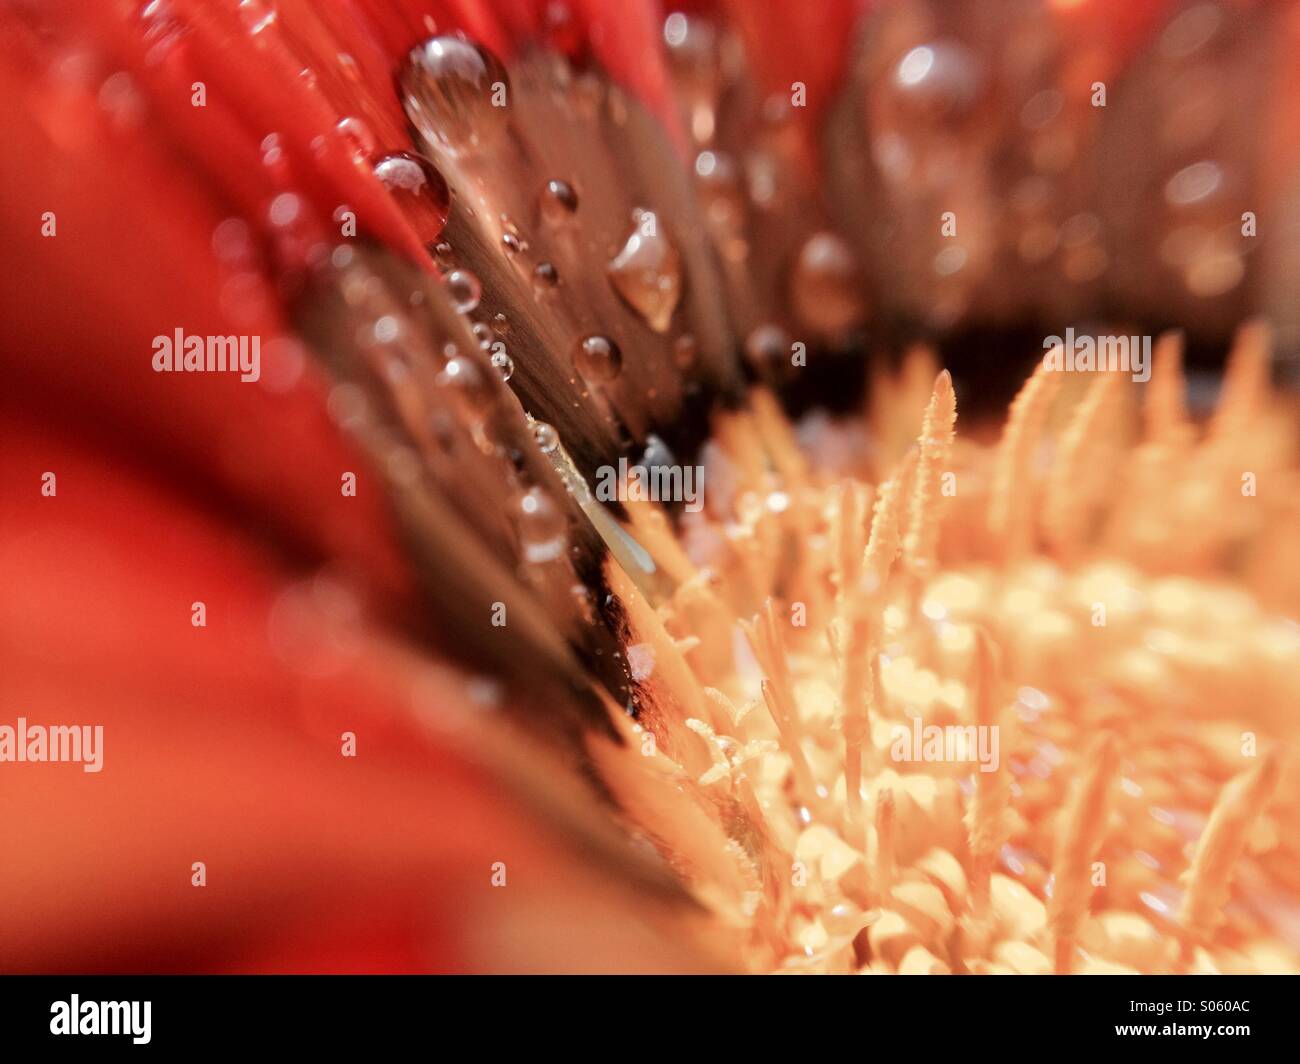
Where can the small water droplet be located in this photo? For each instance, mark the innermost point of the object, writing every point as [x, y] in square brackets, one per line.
[285, 209]
[598, 359]
[274, 158]
[546, 436]
[718, 179]
[512, 243]
[504, 364]
[545, 276]
[684, 351]
[468, 383]
[348, 64]
[767, 347]
[232, 242]
[256, 15]
[542, 526]
[826, 285]
[465, 290]
[559, 201]
[418, 189]
[647, 273]
[938, 79]
[1193, 184]
[357, 136]
[454, 92]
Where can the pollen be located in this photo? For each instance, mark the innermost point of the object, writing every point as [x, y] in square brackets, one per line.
[1023, 705]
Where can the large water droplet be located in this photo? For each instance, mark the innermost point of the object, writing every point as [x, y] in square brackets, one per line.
[464, 289]
[826, 285]
[504, 364]
[418, 189]
[647, 272]
[598, 359]
[455, 92]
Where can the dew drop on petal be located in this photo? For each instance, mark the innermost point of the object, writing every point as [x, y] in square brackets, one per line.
[542, 526]
[598, 359]
[766, 347]
[939, 79]
[455, 92]
[464, 289]
[467, 382]
[559, 202]
[546, 436]
[357, 136]
[647, 272]
[545, 276]
[684, 351]
[826, 285]
[504, 364]
[418, 189]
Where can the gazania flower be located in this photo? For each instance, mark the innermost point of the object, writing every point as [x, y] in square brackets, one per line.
[443, 532]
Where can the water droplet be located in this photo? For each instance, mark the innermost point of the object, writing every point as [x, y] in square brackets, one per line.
[598, 359]
[562, 31]
[357, 136]
[545, 276]
[542, 526]
[1193, 184]
[465, 290]
[348, 64]
[647, 272]
[939, 79]
[767, 347]
[454, 92]
[684, 351]
[546, 436]
[512, 243]
[468, 382]
[718, 179]
[559, 201]
[504, 364]
[418, 189]
[285, 209]
[274, 158]
[232, 242]
[694, 55]
[826, 285]
[256, 15]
